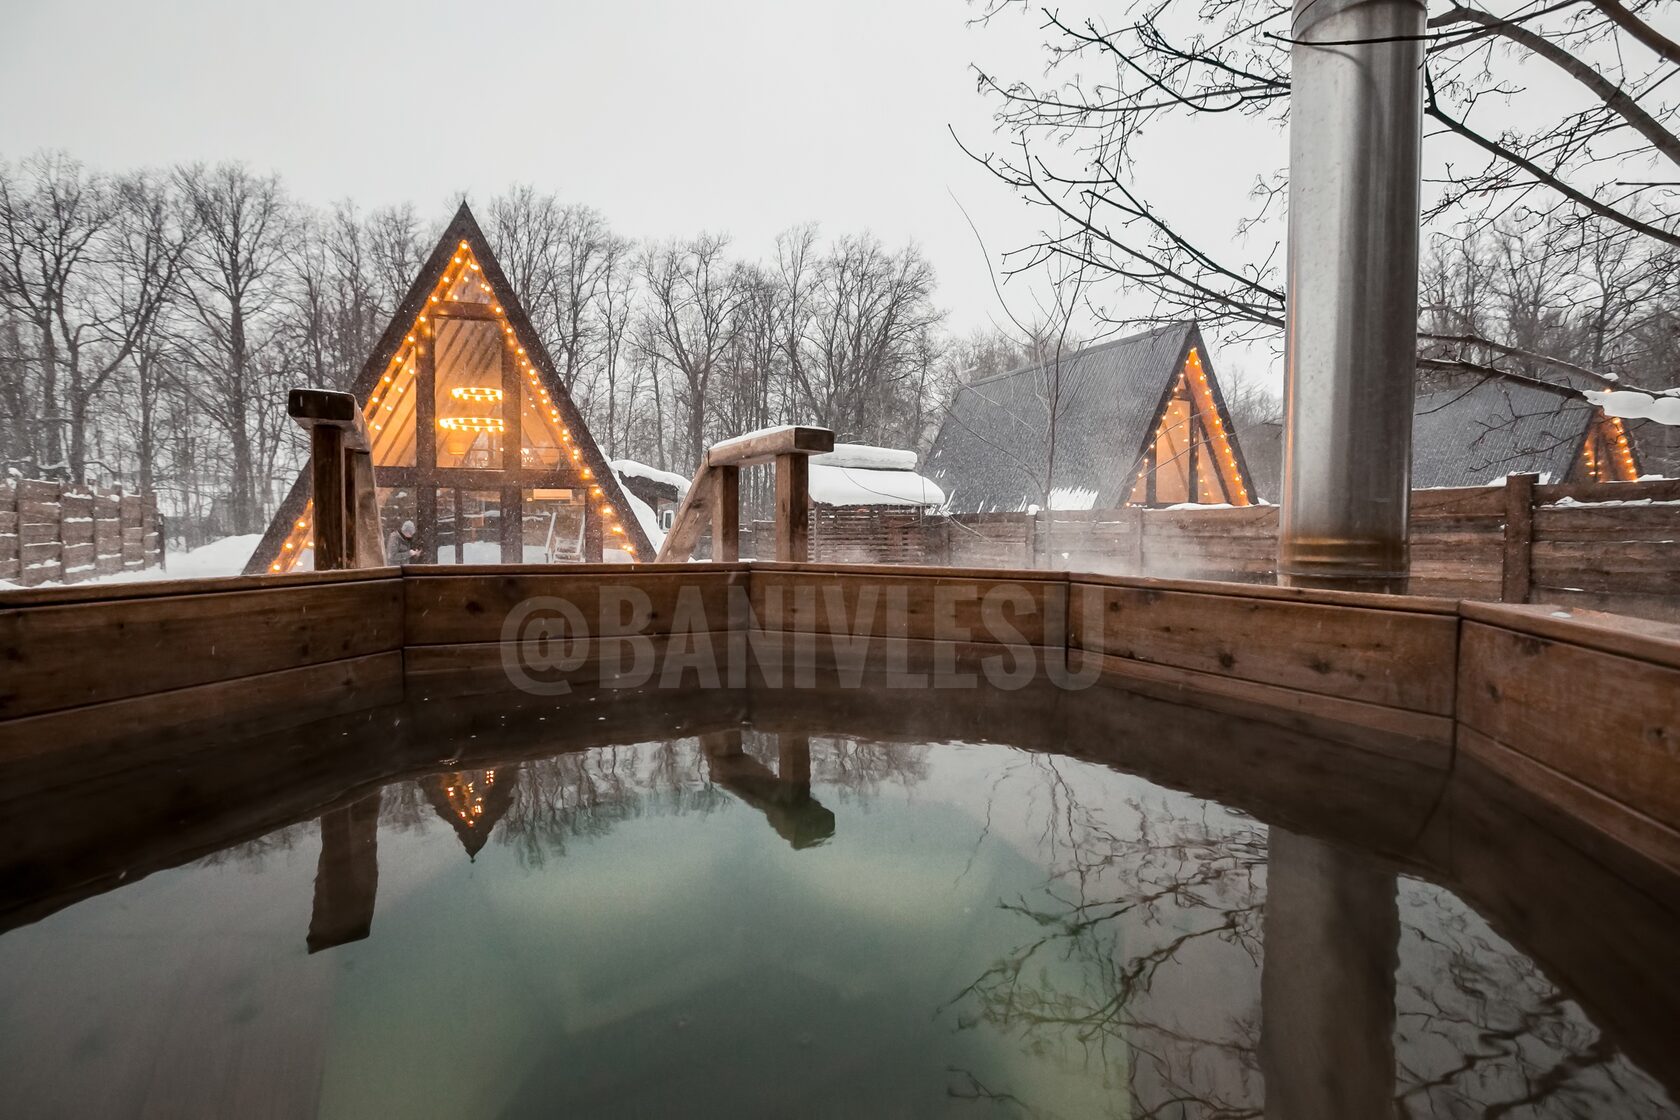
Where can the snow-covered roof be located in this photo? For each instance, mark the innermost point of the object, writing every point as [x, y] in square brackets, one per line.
[645, 517]
[1465, 434]
[861, 486]
[629, 468]
[1630, 404]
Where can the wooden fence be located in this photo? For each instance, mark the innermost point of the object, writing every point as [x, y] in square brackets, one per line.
[1602, 546]
[54, 532]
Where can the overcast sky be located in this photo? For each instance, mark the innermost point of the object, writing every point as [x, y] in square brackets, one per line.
[671, 116]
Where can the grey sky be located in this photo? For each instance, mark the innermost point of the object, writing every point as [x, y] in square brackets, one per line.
[671, 117]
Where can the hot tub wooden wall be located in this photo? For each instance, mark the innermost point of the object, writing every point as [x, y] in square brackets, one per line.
[1580, 708]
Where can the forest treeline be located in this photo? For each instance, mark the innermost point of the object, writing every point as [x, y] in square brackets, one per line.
[151, 322]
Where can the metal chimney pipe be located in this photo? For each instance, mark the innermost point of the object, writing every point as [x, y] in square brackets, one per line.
[1355, 136]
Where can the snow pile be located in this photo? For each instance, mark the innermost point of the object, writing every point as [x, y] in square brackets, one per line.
[1628, 404]
[646, 518]
[856, 486]
[866, 456]
[629, 468]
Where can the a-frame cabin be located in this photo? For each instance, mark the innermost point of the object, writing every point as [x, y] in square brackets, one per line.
[475, 438]
[1136, 421]
[1473, 431]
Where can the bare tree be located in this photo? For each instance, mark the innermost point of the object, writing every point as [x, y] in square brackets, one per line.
[692, 291]
[1076, 138]
[236, 273]
[88, 263]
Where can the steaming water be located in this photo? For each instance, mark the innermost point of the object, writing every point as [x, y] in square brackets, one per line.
[677, 929]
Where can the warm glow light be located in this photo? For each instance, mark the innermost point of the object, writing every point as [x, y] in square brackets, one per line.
[472, 424]
[475, 393]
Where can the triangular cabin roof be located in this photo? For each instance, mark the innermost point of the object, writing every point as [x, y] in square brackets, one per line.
[991, 450]
[1475, 433]
[461, 283]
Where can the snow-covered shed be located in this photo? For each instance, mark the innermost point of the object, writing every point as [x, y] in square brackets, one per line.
[653, 496]
[858, 474]
[1136, 421]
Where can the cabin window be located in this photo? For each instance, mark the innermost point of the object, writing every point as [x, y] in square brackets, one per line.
[468, 394]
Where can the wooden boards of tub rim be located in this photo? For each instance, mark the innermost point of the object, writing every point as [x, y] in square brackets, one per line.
[1392, 666]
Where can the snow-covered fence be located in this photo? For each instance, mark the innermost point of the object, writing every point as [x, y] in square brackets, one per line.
[54, 532]
[1604, 546]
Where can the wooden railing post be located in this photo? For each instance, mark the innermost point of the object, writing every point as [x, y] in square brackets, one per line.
[793, 508]
[726, 515]
[715, 493]
[1517, 558]
[343, 488]
[326, 474]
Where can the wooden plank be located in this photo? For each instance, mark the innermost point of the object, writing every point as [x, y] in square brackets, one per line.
[45, 596]
[1657, 608]
[69, 655]
[891, 603]
[692, 514]
[449, 608]
[898, 571]
[1581, 802]
[1657, 642]
[1417, 736]
[1412, 604]
[464, 309]
[793, 507]
[1608, 721]
[726, 515]
[1655, 490]
[762, 447]
[1517, 562]
[1598, 523]
[269, 701]
[1391, 657]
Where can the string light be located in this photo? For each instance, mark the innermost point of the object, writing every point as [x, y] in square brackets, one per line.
[472, 424]
[454, 275]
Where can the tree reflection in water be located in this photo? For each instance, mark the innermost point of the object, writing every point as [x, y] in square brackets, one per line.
[1157, 902]
[587, 794]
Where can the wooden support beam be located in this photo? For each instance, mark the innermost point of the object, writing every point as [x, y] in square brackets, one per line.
[341, 478]
[762, 447]
[793, 508]
[1517, 558]
[464, 309]
[326, 472]
[726, 514]
[691, 517]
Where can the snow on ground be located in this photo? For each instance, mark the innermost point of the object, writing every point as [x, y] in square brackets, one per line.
[852, 486]
[225, 557]
[642, 470]
[1630, 404]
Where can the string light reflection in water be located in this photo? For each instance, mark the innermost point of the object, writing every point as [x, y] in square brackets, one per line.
[751, 923]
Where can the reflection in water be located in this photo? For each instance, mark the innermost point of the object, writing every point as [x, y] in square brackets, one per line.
[751, 923]
[347, 878]
[472, 801]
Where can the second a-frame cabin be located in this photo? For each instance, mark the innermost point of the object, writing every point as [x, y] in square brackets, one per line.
[475, 438]
[1136, 421]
